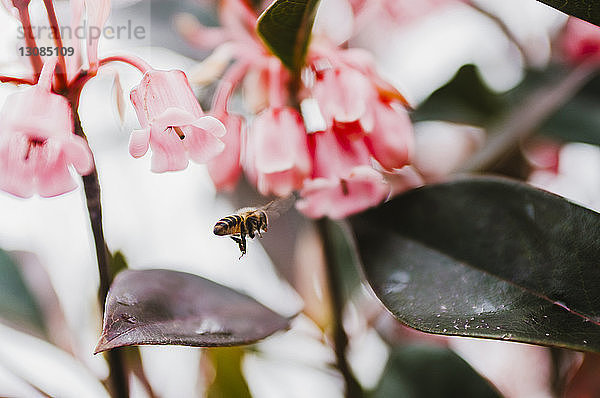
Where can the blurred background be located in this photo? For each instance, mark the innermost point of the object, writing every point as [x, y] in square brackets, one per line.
[463, 67]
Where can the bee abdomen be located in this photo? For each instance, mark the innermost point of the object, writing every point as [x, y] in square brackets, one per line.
[228, 225]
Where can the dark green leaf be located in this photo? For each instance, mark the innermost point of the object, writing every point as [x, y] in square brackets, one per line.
[487, 257]
[424, 372]
[579, 119]
[588, 10]
[168, 307]
[285, 28]
[18, 306]
[343, 256]
[464, 99]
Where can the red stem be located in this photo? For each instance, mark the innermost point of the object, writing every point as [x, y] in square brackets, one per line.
[61, 71]
[77, 83]
[132, 60]
[15, 80]
[36, 60]
[227, 85]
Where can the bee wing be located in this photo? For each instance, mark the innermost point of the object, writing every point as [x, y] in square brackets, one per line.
[277, 207]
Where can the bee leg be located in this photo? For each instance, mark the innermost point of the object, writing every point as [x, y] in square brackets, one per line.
[242, 245]
[242, 239]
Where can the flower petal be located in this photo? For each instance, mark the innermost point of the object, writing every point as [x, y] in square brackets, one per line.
[337, 198]
[168, 151]
[54, 179]
[139, 142]
[16, 177]
[77, 152]
[391, 142]
[280, 142]
[211, 125]
[225, 168]
[202, 146]
[160, 90]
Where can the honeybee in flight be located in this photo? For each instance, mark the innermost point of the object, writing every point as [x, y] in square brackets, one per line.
[251, 221]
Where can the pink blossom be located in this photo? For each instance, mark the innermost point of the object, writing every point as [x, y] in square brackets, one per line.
[343, 181]
[360, 133]
[337, 198]
[278, 152]
[344, 94]
[581, 41]
[173, 123]
[391, 141]
[334, 155]
[37, 143]
[225, 168]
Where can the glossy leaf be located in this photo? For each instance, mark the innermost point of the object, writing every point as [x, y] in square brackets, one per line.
[588, 10]
[285, 28]
[487, 257]
[18, 305]
[169, 307]
[423, 372]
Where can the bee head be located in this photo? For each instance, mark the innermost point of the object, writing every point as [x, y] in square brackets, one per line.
[220, 229]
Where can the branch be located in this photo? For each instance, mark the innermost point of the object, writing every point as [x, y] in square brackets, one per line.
[334, 287]
[526, 117]
[119, 386]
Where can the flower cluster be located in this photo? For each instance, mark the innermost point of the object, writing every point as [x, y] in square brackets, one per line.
[337, 137]
[40, 134]
[35, 150]
[350, 130]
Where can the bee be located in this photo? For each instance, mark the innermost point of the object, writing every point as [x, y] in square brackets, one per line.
[251, 221]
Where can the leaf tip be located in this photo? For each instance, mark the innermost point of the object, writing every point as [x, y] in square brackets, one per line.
[103, 345]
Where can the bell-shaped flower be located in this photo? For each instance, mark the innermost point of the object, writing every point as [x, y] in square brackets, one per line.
[343, 180]
[37, 144]
[364, 187]
[278, 156]
[225, 169]
[173, 123]
[344, 95]
[392, 140]
[335, 155]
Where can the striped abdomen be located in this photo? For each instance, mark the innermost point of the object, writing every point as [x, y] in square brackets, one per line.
[228, 225]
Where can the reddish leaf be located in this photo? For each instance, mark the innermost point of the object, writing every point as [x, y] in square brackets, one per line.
[169, 307]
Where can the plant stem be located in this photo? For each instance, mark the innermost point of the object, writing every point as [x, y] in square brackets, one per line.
[334, 287]
[61, 74]
[527, 117]
[119, 386]
[15, 80]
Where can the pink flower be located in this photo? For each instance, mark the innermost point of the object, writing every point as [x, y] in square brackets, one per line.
[344, 182]
[37, 143]
[581, 41]
[391, 141]
[344, 95]
[225, 169]
[335, 155]
[364, 187]
[173, 123]
[278, 158]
